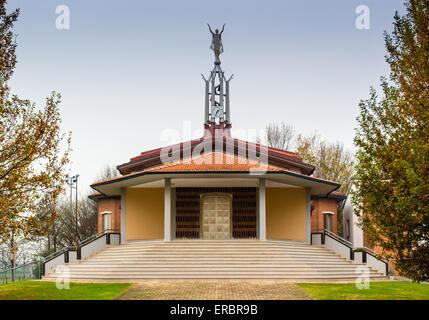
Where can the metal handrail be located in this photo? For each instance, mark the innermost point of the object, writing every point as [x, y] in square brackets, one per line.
[59, 252]
[336, 237]
[372, 252]
[352, 249]
[379, 257]
[80, 244]
[96, 236]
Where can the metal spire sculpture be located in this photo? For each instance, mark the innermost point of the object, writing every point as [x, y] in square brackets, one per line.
[217, 102]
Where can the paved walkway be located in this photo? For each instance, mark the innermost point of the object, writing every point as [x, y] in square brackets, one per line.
[214, 290]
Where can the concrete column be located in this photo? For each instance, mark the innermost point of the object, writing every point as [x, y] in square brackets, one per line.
[307, 215]
[221, 96]
[213, 96]
[227, 110]
[262, 210]
[167, 209]
[206, 105]
[123, 213]
[173, 213]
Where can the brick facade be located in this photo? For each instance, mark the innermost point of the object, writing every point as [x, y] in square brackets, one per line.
[112, 205]
[319, 206]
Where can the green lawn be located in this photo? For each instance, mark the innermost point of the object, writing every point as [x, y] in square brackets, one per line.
[41, 290]
[389, 290]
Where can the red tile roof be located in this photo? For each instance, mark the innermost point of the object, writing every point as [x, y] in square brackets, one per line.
[215, 161]
[204, 163]
[154, 152]
[280, 158]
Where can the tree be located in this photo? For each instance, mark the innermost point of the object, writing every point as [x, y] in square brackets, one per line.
[107, 172]
[279, 136]
[332, 160]
[7, 47]
[392, 140]
[62, 232]
[31, 156]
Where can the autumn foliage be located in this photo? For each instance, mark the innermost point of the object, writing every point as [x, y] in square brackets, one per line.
[392, 194]
[33, 151]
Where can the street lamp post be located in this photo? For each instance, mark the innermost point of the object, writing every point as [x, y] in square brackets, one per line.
[72, 183]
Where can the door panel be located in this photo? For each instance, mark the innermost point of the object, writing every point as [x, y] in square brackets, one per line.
[216, 216]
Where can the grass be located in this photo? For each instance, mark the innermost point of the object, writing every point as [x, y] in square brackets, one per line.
[386, 290]
[41, 290]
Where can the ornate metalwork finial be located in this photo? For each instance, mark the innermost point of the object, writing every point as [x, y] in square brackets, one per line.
[216, 45]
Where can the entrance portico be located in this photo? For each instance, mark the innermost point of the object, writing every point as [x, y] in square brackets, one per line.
[170, 206]
[201, 208]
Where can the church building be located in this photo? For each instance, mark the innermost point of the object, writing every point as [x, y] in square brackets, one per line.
[216, 187]
[216, 207]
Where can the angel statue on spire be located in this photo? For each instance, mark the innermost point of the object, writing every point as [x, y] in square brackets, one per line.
[216, 45]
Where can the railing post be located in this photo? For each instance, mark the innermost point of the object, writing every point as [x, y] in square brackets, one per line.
[323, 238]
[79, 253]
[352, 254]
[107, 238]
[363, 256]
[66, 256]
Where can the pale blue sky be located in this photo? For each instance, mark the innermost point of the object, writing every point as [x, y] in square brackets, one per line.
[128, 70]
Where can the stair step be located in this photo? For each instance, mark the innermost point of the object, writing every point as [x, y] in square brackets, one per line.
[199, 264]
[218, 252]
[213, 257]
[214, 273]
[223, 276]
[213, 270]
[218, 257]
[207, 259]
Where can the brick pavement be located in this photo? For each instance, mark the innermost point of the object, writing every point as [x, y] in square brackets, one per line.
[214, 290]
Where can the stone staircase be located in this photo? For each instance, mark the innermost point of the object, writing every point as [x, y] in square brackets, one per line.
[206, 259]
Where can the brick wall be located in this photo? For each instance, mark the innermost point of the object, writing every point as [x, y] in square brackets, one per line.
[321, 205]
[112, 205]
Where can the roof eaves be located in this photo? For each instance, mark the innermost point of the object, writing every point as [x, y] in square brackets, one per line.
[142, 173]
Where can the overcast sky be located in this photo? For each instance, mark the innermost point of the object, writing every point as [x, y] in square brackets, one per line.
[129, 70]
